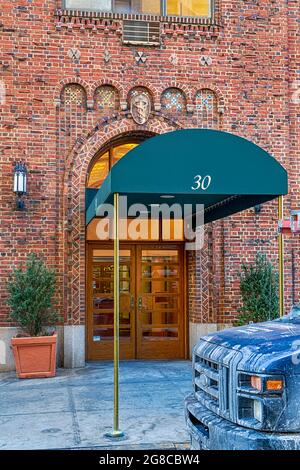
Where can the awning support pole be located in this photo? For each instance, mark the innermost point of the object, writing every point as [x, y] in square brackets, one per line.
[116, 431]
[281, 259]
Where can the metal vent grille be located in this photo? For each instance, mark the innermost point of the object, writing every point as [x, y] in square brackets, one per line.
[141, 32]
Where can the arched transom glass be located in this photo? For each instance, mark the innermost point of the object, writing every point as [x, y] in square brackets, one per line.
[105, 162]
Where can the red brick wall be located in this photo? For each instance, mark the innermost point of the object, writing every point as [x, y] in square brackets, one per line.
[253, 72]
[294, 136]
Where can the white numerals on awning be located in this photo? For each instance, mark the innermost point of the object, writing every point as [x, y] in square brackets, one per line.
[201, 183]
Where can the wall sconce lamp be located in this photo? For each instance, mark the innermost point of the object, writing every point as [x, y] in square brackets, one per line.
[20, 184]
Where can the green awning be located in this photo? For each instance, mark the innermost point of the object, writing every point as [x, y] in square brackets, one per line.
[235, 173]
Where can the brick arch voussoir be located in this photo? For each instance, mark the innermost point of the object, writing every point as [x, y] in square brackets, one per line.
[105, 81]
[185, 89]
[74, 208]
[102, 125]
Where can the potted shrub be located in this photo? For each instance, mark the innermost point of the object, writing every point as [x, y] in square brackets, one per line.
[30, 297]
[259, 291]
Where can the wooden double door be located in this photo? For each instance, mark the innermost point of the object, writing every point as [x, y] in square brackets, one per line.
[152, 320]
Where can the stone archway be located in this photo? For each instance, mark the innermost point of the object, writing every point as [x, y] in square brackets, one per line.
[73, 240]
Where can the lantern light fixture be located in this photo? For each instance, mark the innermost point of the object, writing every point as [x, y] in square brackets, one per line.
[20, 184]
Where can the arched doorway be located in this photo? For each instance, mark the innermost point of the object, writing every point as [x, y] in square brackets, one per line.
[153, 319]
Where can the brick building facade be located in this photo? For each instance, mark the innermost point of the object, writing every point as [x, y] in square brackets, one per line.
[66, 80]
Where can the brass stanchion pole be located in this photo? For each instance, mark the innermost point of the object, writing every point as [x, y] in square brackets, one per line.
[281, 259]
[116, 431]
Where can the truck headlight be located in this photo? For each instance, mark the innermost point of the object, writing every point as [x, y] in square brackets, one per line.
[266, 384]
[256, 382]
[257, 410]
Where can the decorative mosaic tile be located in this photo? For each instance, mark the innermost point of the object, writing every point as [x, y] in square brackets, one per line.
[74, 94]
[206, 108]
[173, 100]
[205, 100]
[106, 97]
[140, 57]
[74, 54]
[106, 56]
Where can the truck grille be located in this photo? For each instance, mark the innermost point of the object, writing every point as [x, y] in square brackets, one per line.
[207, 380]
[216, 378]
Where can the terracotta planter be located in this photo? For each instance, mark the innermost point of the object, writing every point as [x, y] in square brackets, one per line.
[35, 356]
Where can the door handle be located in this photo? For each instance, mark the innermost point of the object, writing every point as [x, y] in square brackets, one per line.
[132, 302]
[140, 304]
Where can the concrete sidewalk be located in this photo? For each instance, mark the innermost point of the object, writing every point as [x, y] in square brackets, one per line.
[75, 408]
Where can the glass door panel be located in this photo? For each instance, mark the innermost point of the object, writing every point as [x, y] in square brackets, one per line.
[101, 324]
[159, 303]
[151, 302]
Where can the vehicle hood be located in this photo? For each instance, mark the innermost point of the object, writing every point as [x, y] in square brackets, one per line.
[264, 346]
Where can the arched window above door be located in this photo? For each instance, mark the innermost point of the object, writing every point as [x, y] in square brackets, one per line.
[105, 161]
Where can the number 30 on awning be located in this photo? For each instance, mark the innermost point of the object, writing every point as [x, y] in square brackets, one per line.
[201, 183]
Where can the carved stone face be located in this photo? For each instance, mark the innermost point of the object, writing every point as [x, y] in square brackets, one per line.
[140, 107]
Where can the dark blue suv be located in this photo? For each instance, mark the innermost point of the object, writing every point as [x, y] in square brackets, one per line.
[247, 387]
